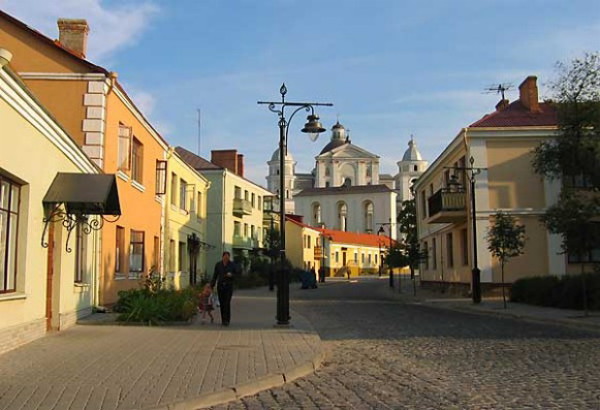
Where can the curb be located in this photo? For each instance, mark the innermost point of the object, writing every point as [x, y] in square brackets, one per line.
[511, 315]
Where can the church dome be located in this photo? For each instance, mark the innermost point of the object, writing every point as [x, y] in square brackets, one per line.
[412, 153]
[275, 156]
[338, 138]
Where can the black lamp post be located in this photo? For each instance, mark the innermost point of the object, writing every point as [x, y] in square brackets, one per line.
[379, 232]
[312, 127]
[475, 272]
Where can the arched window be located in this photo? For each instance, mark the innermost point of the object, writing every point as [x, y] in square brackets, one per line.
[342, 216]
[347, 182]
[369, 172]
[368, 212]
[316, 214]
[327, 171]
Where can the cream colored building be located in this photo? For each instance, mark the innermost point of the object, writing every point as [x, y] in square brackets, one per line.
[48, 274]
[354, 253]
[185, 242]
[235, 205]
[303, 245]
[501, 145]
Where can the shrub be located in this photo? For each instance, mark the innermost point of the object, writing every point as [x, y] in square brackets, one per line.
[563, 292]
[157, 306]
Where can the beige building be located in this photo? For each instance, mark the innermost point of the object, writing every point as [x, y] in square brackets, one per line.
[501, 145]
[235, 205]
[185, 242]
[49, 249]
[303, 245]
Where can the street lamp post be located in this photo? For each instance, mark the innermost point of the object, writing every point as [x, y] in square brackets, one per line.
[312, 127]
[379, 232]
[475, 272]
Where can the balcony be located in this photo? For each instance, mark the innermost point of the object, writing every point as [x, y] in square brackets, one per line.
[241, 207]
[447, 206]
[242, 242]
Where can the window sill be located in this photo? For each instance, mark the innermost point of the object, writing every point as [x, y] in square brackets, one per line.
[158, 199]
[134, 275]
[81, 285]
[138, 186]
[123, 175]
[12, 296]
[120, 276]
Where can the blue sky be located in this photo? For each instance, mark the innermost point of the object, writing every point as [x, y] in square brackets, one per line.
[392, 68]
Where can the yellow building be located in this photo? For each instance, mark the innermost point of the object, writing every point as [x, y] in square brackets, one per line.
[49, 253]
[351, 253]
[96, 111]
[303, 245]
[501, 145]
[185, 225]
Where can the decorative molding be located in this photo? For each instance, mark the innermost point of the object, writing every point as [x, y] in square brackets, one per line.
[63, 76]
[138, 186]
[12, 296]
[19, 99]
[123, 176]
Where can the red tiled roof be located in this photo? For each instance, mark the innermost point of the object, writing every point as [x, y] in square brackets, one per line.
[353, 238]
[195, 161]
[516, 115]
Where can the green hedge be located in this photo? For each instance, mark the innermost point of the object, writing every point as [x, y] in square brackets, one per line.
[563, 292]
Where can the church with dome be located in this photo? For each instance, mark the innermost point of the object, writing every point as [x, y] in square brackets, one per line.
[345, 191]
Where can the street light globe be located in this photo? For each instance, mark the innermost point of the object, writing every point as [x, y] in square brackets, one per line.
[313, 127]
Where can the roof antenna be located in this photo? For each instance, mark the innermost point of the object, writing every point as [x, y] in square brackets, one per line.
[498, 89]
[199, 128]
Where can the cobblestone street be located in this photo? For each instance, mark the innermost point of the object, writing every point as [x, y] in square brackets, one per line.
[383, 353]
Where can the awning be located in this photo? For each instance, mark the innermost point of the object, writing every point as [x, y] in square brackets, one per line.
[84, 194]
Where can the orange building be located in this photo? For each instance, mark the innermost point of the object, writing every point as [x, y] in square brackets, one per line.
[96, 111]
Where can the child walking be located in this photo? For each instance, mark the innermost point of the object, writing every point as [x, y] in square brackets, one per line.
[206, 306]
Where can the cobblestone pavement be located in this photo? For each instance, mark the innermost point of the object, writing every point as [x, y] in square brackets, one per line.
[389, 355]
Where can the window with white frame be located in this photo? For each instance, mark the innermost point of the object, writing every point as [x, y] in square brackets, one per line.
[124, 148]
[137, 161]
[9, 219]
[136, 251]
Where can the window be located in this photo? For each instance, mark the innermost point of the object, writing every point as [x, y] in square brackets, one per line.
[161, 177]
[181, 259]
[172, 265]
[80, 254]
[342, 216]
[376, 259]
[124, 148]
[316, 214]
[449, 250]
[423, 205]
[594, 254]
[433, 254]
[415, 168]
[578, 181]
[464, 240]
[252, 231]
[199, 205]
[137, 159]
[337, 257]
[369, 259]
[426, 259]
[308, 241]
[120, 251]
[253, 200]
[369, 172]
[259, 203]
[356, 257]
[369, 216]
[245, 230]
[327, 171]
[9, 222]
[136, 251]
[246, 195]
[156, 253]
[237, 192]
[183, 194]
[174, 189]
[237, 228]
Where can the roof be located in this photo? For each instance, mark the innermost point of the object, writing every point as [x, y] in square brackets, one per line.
[195, 161]
[412, 153]
[354, 189]
[301, 224]
[54, 43]
[332, 145]
[517, 115]
[354, 238]
[275, 156]
[89, 194]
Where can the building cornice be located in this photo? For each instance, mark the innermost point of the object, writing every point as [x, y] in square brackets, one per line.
[63, 76]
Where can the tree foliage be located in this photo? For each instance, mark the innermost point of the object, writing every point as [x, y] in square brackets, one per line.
[506, 238]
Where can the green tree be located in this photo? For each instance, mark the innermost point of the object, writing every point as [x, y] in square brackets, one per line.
[506, 240]
[410, 247]
[574, 156]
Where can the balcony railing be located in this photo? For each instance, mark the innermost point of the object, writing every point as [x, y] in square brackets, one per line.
[241, 207]
[244, 242]
[447, 206]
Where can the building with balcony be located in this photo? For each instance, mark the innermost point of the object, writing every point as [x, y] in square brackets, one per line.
[235, 219]
[501, 145]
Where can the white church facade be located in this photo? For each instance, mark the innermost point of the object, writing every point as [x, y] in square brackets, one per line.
[345, 190]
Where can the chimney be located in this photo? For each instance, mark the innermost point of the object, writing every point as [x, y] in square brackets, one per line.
[502, 104]
[528, 94]
[240, 165]
[226, 158]
[73, 34]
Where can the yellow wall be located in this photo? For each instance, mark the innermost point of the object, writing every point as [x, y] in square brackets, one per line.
[182, 221]
[355, 264]
[297, 246]
[20, 140]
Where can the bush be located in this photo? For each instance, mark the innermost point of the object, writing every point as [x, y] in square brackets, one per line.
[563, 292]
[153, 308]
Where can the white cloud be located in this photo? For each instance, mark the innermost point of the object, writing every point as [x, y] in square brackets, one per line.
[111, 28]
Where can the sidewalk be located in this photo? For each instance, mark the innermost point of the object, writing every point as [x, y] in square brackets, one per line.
[494, 306]
[172, 367]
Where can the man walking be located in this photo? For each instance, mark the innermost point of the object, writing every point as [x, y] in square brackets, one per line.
[223, 278]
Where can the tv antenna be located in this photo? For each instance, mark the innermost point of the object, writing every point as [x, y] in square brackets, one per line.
[498, 89]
